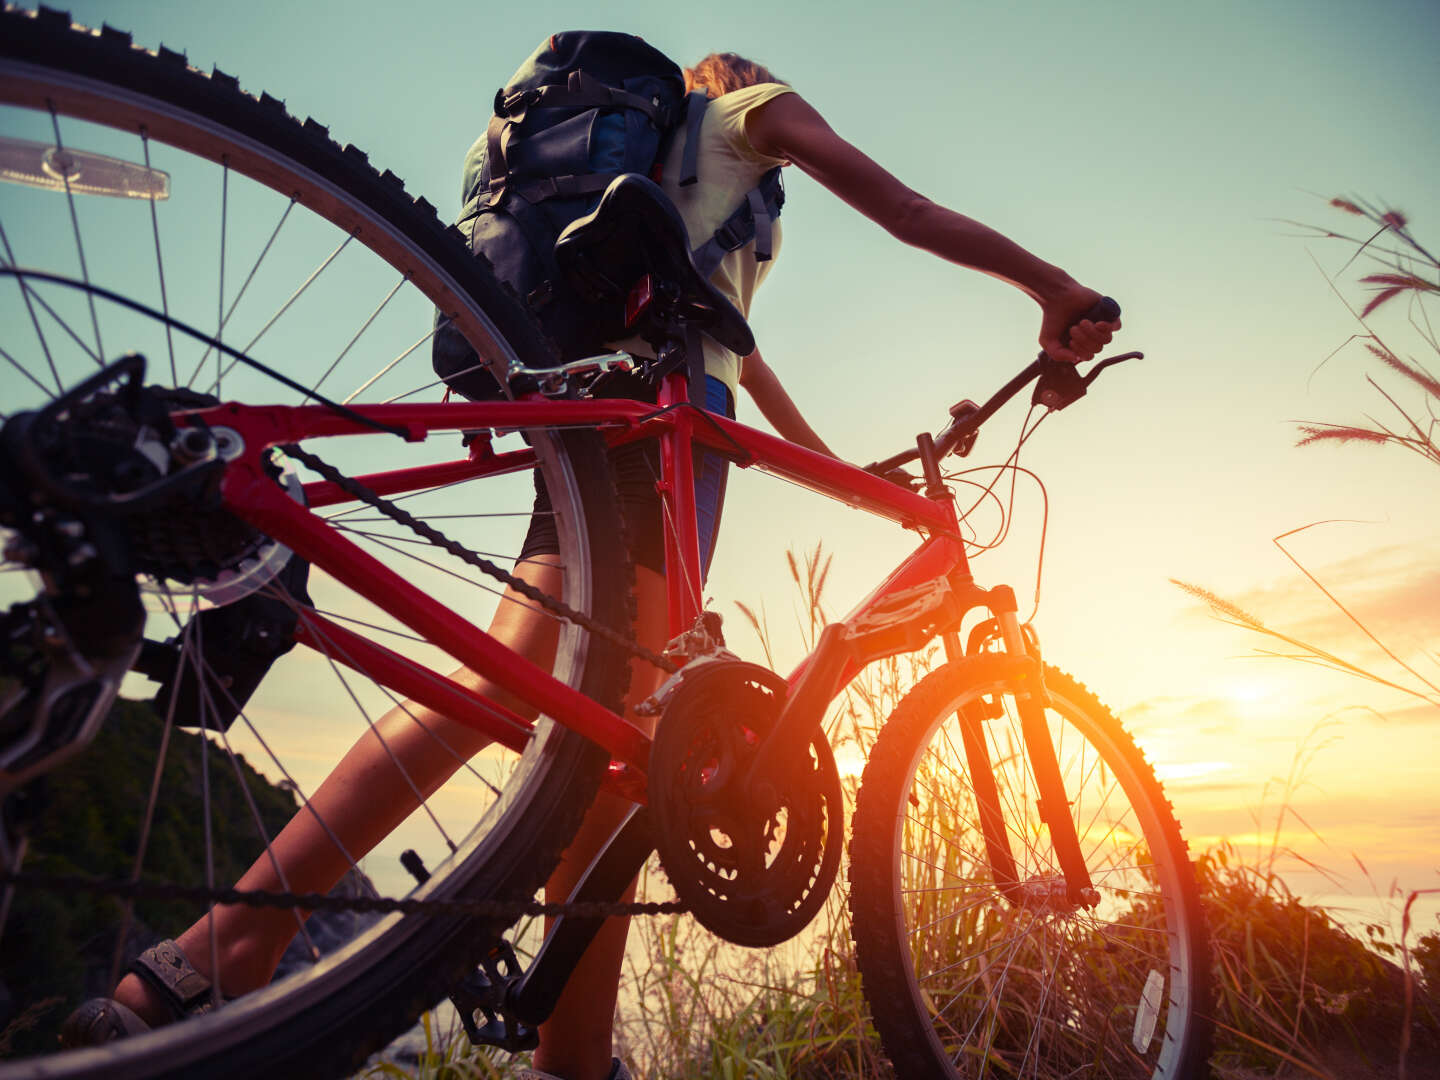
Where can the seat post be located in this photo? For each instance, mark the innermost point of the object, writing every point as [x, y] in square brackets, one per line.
[677, 494]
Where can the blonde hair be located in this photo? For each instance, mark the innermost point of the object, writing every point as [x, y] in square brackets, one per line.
[721, 73]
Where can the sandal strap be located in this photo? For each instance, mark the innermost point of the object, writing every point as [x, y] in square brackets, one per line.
[166, 970]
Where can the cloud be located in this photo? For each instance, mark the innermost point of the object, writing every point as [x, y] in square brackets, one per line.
[1393, 591]
[1198, 715]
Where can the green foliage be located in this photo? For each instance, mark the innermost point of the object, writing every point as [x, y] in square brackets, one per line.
[1427, 961]
[1295, 986]
[87, 818]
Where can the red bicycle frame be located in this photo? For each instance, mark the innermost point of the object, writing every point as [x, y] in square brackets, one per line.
[250, 493]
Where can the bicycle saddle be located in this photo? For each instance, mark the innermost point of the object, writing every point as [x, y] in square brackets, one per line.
[635, 230]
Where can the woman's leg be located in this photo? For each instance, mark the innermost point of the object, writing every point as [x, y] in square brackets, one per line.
[362, 800]
[575, 1043]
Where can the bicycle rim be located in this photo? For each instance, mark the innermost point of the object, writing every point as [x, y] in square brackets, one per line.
[967, 977]
[300, 254]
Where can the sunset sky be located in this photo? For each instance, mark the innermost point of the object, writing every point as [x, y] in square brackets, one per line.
[1154, 150]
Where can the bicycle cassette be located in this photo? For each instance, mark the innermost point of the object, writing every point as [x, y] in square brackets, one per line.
[755, 875]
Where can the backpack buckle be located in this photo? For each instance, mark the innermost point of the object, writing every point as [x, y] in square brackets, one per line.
[520, 100]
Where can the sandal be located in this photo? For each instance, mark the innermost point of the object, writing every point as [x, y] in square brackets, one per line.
[165, 970]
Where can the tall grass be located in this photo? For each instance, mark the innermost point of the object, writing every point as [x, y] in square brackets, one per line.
[1298, 993]
[705, 1008]
[1405, 402]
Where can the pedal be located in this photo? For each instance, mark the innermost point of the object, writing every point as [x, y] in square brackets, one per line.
[482, 993]
[485, 989]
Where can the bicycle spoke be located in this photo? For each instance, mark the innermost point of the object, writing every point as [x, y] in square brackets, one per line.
[478, 583]
[431, 676]
[75, 224]
[206, 679]
[25, 293]
[254, 268]
[63, 324]
[23, 370]
[419, 542]
[374, 729]
[389, 368]
[147, 822]
[250, 345]
[365, 326]
[160, 265]
[217, 975]
[361, 507]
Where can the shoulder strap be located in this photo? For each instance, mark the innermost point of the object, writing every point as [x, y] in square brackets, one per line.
[695, 103]
[752, 220]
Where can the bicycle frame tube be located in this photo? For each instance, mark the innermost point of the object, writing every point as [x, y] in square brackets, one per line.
[679, 426]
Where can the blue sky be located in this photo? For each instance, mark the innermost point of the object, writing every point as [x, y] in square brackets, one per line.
[1153, 150]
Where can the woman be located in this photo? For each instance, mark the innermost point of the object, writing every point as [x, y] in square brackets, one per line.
[753, 123]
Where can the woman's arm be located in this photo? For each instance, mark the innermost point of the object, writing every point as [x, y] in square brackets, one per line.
[788, 127]
[776, 406]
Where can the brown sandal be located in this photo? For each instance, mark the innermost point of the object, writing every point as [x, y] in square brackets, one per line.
[164, 969]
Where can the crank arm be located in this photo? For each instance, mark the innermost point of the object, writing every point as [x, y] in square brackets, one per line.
[532, 999]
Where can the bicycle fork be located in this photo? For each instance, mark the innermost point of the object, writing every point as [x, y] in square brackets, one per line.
[1052, 804]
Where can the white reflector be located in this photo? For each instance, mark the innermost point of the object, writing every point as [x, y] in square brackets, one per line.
[45, 166]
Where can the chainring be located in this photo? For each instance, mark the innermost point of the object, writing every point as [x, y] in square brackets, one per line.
[755, 875]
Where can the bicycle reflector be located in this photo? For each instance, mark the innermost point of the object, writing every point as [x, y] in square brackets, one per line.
[59, 168]
[641, 295]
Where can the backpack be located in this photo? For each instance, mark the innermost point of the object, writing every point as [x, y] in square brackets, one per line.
[586, 107]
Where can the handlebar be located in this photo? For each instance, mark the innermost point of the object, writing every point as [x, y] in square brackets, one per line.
[1059, 385]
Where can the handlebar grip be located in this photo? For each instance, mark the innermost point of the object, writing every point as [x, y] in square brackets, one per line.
[1104, 310]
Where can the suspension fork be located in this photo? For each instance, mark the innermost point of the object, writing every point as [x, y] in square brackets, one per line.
[972, 717]
[1051, 803]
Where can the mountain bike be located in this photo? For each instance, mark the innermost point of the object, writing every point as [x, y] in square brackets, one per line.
[1021, 897]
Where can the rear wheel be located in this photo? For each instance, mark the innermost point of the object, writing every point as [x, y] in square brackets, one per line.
[179, 191]
[974, 972]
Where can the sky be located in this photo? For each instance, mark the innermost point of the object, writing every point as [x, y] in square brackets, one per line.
[1158, 152]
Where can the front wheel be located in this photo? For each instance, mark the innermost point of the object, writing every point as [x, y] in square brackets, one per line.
[975, 963]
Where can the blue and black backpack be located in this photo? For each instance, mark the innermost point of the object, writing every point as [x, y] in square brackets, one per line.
[586, 107]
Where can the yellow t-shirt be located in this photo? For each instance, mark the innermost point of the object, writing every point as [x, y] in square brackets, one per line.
[728, 167]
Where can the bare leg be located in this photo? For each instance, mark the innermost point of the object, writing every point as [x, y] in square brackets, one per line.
[575, 1043]
[362, 800]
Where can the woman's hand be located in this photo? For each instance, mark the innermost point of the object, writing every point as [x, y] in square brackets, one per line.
[1060, 314]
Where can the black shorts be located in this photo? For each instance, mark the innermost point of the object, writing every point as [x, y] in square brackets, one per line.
[637, 470]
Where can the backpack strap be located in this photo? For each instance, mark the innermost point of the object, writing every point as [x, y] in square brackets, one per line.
[563, 187]
[580, 91]
[695, 364]
[695, 103]
[752, 220]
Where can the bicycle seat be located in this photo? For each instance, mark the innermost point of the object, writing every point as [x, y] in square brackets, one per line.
[635, 230]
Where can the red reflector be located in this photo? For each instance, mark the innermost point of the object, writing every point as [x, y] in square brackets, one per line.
[641, 293]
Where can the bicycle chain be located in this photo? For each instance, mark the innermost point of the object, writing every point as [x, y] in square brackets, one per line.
[200, 894]
[439, 539]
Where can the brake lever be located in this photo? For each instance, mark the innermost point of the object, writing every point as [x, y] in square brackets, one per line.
[1061, 384]
[960, 412]
[1103, 364]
